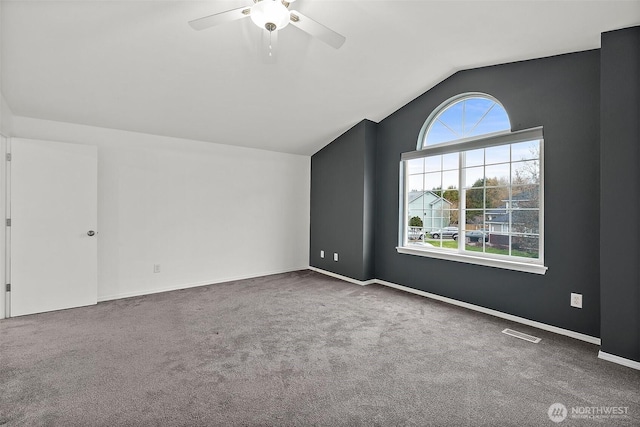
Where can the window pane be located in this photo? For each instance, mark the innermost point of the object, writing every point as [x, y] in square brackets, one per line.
[498, 243]
[475, 198]
[430, 226]
[452, 217]
[450, 179]
[526, 172]
[452, 118]
[495, 120]
[415, 204]
[433, 163]
[474, 158]
[414, 230]
[525, 221]
[476, 238]
[525, 196]
[497, 174]
[524, 246]
[497, 220]
[439, 133]
[452, 197]
[475, 217]
[416, 183]
[496, 197]
[433, 181]
[499, 154]
[450, 161]
[437, 243]
[525, 150]
[474, 177]
[444, 218]
[475, 111]
[415, 166]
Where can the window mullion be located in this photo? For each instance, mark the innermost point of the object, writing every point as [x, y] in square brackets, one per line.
[462, 202]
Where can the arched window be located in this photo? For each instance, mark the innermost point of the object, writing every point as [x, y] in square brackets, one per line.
[473, 190]
[466, 116]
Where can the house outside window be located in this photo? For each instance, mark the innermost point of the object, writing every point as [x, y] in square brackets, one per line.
[473, 191]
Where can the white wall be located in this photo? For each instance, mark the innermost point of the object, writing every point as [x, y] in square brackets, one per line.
[205, 212]
[6, 117]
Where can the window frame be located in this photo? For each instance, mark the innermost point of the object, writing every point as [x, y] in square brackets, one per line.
[458, 146]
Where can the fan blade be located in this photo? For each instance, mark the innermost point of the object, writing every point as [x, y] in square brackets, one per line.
[220, 18]
[317, 30]
[268, 49]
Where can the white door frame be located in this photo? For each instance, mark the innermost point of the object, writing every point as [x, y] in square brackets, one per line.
[5, 208]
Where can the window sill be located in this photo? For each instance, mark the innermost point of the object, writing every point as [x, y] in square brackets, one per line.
[526, 267]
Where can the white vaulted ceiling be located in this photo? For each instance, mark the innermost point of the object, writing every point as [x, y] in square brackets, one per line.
[136, 65]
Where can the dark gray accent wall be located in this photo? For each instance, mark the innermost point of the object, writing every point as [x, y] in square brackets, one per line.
[343, 202]
[620, 195]
[588, 104]
[561, 94]
[369, 217]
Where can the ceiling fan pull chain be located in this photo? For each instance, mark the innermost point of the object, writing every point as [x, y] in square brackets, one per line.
[270, 47]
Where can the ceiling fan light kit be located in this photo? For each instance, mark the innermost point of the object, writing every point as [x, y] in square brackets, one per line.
[272, 15]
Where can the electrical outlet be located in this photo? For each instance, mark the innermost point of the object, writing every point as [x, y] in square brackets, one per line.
[321, 254]
[576, 300]
[335, 256]
[156, 268]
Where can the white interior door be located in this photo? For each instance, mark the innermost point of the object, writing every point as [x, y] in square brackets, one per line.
[53, 211]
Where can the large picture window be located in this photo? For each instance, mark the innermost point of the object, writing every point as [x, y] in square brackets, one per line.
[473, 191]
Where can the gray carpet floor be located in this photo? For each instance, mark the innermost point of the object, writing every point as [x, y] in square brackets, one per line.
[296, 349]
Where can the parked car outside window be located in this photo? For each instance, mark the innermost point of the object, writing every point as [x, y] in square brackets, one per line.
[446, 232]
[476, 236]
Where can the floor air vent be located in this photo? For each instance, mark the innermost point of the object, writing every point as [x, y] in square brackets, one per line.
[522, 336]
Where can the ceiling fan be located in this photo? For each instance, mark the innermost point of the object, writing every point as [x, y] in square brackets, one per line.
[272, 15]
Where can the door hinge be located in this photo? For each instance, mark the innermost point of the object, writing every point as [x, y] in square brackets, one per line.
[8, 222]
[8, 157]
[8, 287]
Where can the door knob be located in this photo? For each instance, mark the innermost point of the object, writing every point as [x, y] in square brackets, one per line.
[90, 233]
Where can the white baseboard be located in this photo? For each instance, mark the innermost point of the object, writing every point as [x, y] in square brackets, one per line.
[341, 277]
[522, 320]
[193, 285]
[619, 360]
[496, 313]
